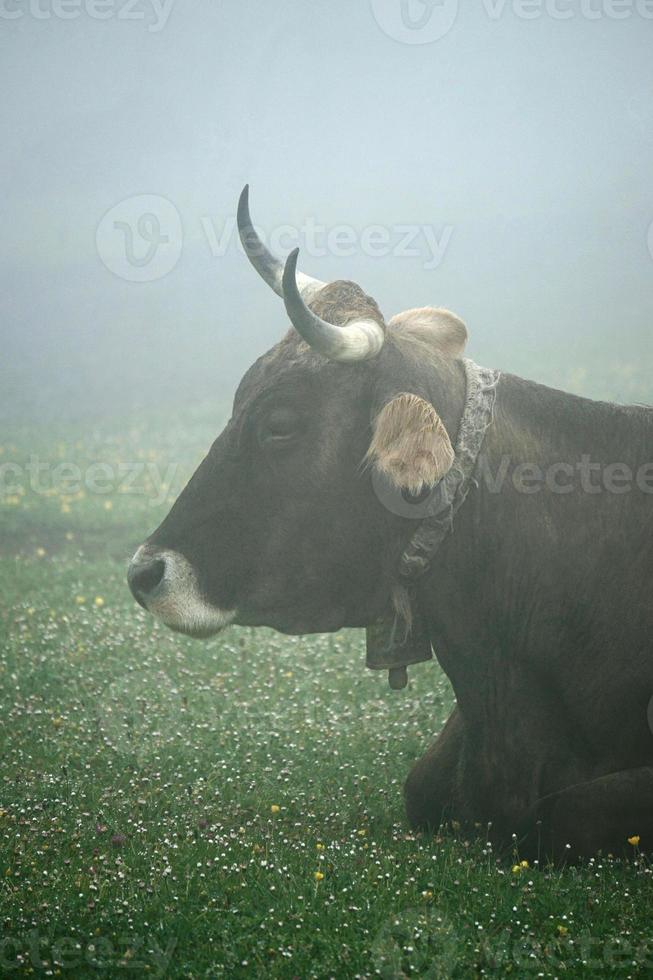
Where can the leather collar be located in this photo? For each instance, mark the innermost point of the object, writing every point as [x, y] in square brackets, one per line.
[391, 645]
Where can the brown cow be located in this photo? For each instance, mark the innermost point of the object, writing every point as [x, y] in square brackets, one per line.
[534, 589]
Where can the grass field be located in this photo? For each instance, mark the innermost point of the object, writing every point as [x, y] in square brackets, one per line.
[233, 807]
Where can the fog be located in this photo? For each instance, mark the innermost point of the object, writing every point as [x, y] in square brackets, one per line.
[516, 149]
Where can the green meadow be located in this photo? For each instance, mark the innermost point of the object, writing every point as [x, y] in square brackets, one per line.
[233, 807]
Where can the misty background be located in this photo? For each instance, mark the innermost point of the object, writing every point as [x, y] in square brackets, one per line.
[525, 145]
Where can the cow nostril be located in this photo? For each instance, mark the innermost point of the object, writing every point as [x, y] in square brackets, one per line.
[144, 576]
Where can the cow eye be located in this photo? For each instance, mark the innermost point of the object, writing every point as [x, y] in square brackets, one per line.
[278, 427]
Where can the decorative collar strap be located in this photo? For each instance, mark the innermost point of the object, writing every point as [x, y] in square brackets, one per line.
[450, 493]
[392, 645]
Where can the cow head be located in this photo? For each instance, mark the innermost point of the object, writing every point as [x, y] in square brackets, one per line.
[280, 524]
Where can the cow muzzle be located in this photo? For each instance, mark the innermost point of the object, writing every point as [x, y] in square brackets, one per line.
[164, 583]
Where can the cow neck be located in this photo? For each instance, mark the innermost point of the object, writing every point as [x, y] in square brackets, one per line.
[390, 645]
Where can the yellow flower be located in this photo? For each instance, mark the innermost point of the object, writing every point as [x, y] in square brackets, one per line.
[318, 876]
[362, 832]
[634, 840]
[275, 808]
[562, 930]
[320, 847]
[523, 864]
[57, 722]
[108, 504]
[98, 601]
[41, 552]
[65, 508]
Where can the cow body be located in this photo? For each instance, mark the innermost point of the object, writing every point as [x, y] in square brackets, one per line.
[540, 612]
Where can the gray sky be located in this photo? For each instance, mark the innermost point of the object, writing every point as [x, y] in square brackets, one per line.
[517, 151]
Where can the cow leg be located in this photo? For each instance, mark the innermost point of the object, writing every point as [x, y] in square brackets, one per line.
[429, 790]
[599, 815]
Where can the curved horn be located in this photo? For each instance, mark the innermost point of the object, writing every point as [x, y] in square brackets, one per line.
[355, 341]
[266, 264]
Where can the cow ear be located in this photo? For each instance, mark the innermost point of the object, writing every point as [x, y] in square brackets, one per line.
[444, 329]
[410, 444]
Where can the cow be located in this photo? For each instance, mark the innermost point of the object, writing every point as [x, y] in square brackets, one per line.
[535, 594]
